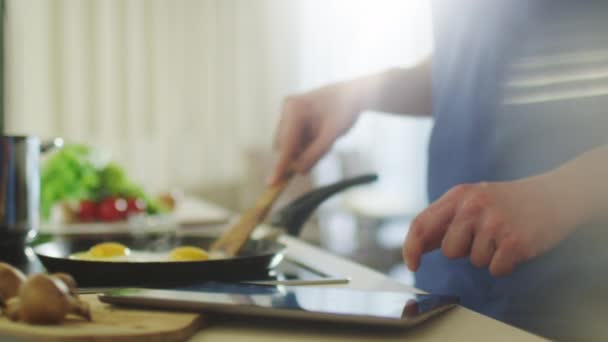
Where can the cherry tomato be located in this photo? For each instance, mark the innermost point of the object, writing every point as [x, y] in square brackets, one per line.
[135, 205]
[112, 209]
[87, 210]
[168, 200]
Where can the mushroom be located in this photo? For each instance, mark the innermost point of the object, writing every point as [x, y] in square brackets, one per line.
[45, 299]
[69, 281]
[10, 281]
[12, 309]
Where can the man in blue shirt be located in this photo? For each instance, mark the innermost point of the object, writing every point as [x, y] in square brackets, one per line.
[517, 164]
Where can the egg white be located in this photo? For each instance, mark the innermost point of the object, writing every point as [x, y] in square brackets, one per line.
[136, 256]
[132, 256]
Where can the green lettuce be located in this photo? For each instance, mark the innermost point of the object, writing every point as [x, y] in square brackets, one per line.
[71, 174]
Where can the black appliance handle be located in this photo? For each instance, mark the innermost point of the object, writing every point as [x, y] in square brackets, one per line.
[50, 145]
[292, 216]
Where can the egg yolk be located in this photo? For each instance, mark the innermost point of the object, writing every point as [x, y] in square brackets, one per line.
[188, 253]
[108, 250]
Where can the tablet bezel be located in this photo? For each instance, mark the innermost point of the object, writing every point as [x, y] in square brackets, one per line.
[183, 301]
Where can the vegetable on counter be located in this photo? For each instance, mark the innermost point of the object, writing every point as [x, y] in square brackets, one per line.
[41, 298]
[45, 299]
[95, 190]
[11, 280]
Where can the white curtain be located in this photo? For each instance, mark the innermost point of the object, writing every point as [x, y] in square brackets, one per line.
[174, 89]
[179, 90]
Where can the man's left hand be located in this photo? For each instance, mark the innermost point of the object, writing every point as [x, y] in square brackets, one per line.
[497, 225]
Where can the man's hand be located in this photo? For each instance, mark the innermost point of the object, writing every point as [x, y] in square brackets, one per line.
[497, 225]
[311, 123]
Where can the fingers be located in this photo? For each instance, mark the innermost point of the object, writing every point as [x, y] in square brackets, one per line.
[427, 231]
[318, 147]
[471, 220]
[287, 153]
[502, 263]
[310, 123]
[460, 234]
[301, 148]
[483, 250]
[486, 236]
[508, 255]
[288, 139]
[458, 239]
[278, 135]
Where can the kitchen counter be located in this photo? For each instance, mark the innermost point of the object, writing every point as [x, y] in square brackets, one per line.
[459, 324]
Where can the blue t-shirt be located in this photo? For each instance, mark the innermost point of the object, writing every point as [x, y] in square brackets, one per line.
[520, 87]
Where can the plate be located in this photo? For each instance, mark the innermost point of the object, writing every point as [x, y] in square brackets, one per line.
[135, 224]
[189, 212]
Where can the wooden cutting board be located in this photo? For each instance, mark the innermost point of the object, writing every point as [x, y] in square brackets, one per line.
[111, 323]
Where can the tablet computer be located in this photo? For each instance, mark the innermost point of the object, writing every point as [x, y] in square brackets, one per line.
[319, 304]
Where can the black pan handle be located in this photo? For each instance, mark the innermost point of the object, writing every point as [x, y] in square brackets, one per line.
[292, 216]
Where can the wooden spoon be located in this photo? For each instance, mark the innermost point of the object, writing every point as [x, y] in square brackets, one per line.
[234, 238]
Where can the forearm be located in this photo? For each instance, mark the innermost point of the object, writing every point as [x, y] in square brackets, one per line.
[402, 91]
[397, 90]
[579, 188]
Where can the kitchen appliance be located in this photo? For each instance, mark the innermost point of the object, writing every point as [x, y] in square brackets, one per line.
[20, 191]
[256, 258]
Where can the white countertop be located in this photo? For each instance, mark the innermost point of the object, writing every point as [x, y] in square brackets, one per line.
[459, 324]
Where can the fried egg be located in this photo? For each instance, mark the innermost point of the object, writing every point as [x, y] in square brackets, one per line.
[116, 252]
[108, 250]
[188, 253]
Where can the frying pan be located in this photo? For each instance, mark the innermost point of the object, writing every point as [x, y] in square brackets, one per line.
[253, 262]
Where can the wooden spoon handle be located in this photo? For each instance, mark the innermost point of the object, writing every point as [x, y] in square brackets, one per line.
[234, 238]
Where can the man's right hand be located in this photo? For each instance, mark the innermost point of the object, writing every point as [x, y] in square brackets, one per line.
[310, 124]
